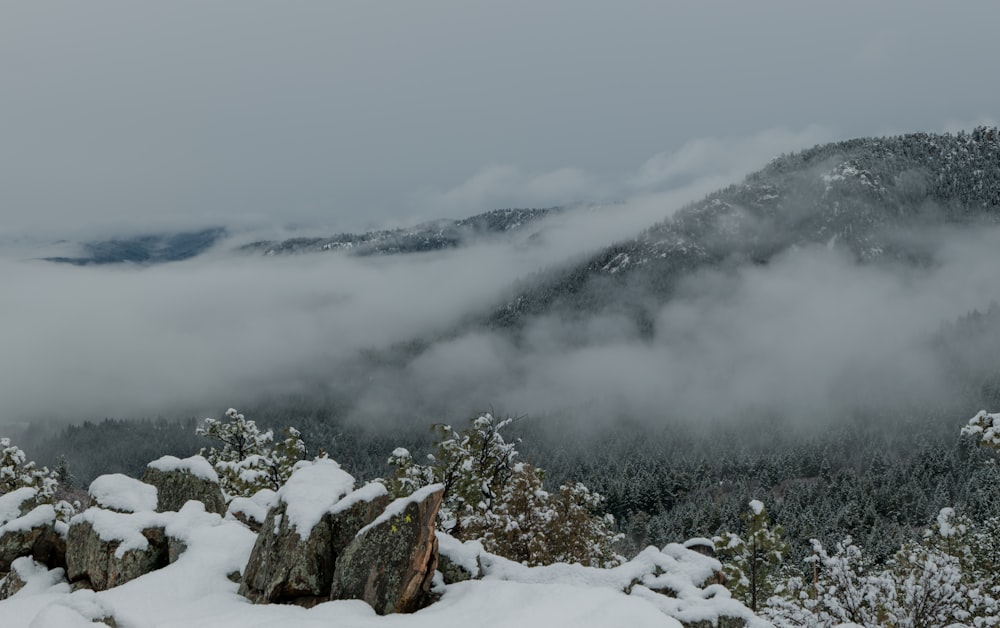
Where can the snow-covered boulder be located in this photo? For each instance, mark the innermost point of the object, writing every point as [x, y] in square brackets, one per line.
[458, 561]
[105, 548]
[119, 492]
[178, 480]
[29, 576]
[252, 511]
[315, 515]
[391, 562]
[36, 534]
[16, 503]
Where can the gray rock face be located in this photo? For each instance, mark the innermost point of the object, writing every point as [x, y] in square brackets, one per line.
[175, 488]
[390, 563]
[37, 539]
[284, 567]
[452, 572]
[89, 558]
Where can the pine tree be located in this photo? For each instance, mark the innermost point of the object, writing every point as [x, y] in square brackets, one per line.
[752, 565]
[491, 497]
[249, 460]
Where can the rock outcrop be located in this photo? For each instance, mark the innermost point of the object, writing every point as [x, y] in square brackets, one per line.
[35, 535]
[295, 563]
[390, 563]
[179, 480]
[105, 549]
[458, 561]
[252, 511]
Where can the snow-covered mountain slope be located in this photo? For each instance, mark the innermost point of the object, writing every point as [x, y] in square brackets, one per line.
[867, 196]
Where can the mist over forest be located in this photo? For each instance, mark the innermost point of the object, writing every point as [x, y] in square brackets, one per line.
[812, 336]
[715, 279]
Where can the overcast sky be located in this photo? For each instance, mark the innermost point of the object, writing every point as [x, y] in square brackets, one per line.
[130, 115]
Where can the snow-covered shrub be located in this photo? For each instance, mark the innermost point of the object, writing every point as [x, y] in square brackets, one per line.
[842, 590]
[491, 497]
[248, 459]
[752, 565]
[933, 583]
[985, 428]
[16, 471]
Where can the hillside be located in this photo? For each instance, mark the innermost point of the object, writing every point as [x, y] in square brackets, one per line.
[432, 236]
[865, 196]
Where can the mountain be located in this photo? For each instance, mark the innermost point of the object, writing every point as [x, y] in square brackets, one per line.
[863, 195]
[145, 249]
[430, 236]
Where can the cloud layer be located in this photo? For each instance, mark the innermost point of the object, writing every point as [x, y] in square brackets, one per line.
[811, 335]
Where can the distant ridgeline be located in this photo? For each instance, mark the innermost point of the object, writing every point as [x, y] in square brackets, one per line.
[859, 195]
[145, 249]
[430, 236]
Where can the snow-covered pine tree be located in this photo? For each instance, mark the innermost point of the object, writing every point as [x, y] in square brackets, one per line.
[248, 459]
[16, 471]
[752, 565]
[492, 497]
[985, 429]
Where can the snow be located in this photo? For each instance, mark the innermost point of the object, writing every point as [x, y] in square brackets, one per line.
[397, 507]
[946, 525]
[311, 491]
[195, 591]
[126, 528]
[757, 507]
[698, 541]
[465, 555]
[197, 466]
[37, 578]
[10, 503]
[39, 516]
[120, 492]
[253, 508]
[367, 493]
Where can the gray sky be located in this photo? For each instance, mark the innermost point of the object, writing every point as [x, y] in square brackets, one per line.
[120, 115]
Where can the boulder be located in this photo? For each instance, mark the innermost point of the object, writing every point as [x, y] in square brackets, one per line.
[287, 567]
[108, 548]
[458, 561]
[391, 561]
[11, 584]
[17, 503]
[26, 573]
[252, 511]
[179, 480]
[34, 535]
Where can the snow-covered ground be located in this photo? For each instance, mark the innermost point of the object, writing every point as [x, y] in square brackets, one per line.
[195, 591]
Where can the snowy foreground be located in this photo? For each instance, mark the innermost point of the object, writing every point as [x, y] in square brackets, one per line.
[196, 591]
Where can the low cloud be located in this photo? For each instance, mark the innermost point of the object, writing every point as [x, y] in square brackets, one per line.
[811, 335]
